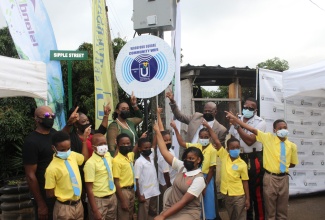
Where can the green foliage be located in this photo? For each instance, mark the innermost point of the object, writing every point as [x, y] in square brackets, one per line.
[7, 46]
[222, 92]
[274, 64]
[118, 43]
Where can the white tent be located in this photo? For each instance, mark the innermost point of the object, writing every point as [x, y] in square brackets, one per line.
[22, 78]
[305, 81]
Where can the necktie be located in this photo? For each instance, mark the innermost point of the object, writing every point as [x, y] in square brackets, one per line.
[283, 158]
[75, 186]
[110, 179]
[135, 183]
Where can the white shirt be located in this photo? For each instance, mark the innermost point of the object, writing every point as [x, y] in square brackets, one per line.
[198, 183]
[256, 122]
[196, 136]
[164, 167]
[145, 172]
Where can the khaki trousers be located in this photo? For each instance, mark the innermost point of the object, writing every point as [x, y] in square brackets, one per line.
[129, 196]
[276, 196]
[67, 212]
[162, 190]
[148, 209]
[235, 206]
[106, 206]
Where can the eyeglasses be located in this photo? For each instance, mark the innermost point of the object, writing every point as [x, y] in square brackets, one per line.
[250, 109]
[48, 115]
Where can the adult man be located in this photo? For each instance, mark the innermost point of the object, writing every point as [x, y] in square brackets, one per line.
[252, 155]
[37, 155]
[194, 121]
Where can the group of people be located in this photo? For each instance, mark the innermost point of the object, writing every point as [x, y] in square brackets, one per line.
[80, 170]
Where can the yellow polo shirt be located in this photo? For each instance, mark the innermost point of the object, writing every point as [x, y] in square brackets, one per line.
[209, 153]
[96, 172]
[272, 150]
[57, 176]
[232, 174]
[122, 169]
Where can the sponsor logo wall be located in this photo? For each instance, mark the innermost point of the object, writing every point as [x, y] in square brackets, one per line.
[305, 117]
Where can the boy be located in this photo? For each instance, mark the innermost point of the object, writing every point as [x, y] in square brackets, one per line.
[146, 180]
[124, 180]
[102, 201]
[234, 180]
[62, 179]
[279, 155]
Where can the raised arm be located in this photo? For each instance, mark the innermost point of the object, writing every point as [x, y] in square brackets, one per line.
[213, 135]
[84, 150]
[72, 119]
[177, 113]
[234, 120]
[160, 124]
[107, 111]
[162, 146]
[180, 140]
[138, 114]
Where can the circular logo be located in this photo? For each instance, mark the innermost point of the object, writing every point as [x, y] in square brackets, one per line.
[145, 66]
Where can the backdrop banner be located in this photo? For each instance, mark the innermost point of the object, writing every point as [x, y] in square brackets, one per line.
[305, 116]
[32, 33]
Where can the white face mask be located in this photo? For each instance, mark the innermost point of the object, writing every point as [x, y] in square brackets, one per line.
[282, 133]
[204, 142]
[101, 150]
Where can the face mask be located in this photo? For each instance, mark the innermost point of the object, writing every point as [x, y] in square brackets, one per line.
[63, 154]
[82, 128]
[189, 165]
[282, 133]
[124, 150]
[204, 142]
[247, 113]
[234, 153]
[47, 122]
[101, 150]
[169, 145]
[125, 114]
[208, 117]
[146, 153]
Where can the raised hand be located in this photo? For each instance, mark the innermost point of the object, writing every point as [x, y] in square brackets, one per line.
[172, 124]
[133, 99]
[156, 127]
[205, 123]
[87, 132]
[107, 108]
[159, 110]
[170, 95]
[73, 117]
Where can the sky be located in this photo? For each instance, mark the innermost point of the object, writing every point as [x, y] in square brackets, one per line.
[214, 32]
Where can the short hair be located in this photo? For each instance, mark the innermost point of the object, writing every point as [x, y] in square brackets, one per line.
[252, 100]
[277, 122]
[115, 115]
[59, 137]
[122, 135]
[165, 132]
[232, 139]
[141, 141]
[194, 150]
[204, 129]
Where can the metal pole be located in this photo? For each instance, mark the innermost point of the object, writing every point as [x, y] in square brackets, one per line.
[70, 83]
[146, 113]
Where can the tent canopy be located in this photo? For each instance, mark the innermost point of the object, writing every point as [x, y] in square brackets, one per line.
[305, 81]
[22, 78]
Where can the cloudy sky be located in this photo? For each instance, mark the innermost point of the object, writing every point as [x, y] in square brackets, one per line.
[214, 32]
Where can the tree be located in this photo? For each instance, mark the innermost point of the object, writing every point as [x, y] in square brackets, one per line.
[117, 43]
[274, 64]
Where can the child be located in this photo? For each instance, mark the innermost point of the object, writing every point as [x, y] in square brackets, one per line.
[62, 179]
[102, 201]
[124, 179]
[279, 154]
[234, 179]
[146, 180]
[208, 166]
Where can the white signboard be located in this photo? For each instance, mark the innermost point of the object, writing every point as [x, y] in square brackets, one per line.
[146, 66]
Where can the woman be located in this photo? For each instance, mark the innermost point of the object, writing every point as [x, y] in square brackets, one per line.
[183, 202]
[123, 124]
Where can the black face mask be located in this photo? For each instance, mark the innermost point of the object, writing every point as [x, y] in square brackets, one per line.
[125, 114]
[189, 165]
[208, 117]
[169, 145]
[146, 153]
[124, 150]
[47, 122]
[82, 128]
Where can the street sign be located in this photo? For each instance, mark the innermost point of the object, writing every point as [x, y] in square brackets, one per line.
[68, 55]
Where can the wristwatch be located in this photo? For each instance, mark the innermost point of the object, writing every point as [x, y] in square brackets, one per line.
[236, 126]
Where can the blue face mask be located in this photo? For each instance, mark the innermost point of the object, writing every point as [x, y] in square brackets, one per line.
[63, 154]
[234, 153]
[282, 133]
[204, 142]
[247, 113]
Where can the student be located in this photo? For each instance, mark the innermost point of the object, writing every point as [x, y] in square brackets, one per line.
[234, 179]
[62, 179]
[124, 178]
[184, 200]
[208, 166]
[279, 154]
[146, 180]
[102, 201]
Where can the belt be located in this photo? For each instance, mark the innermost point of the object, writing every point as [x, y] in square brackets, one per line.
[70, 202]
[128, 187]
[105, 197]
[276, 174]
